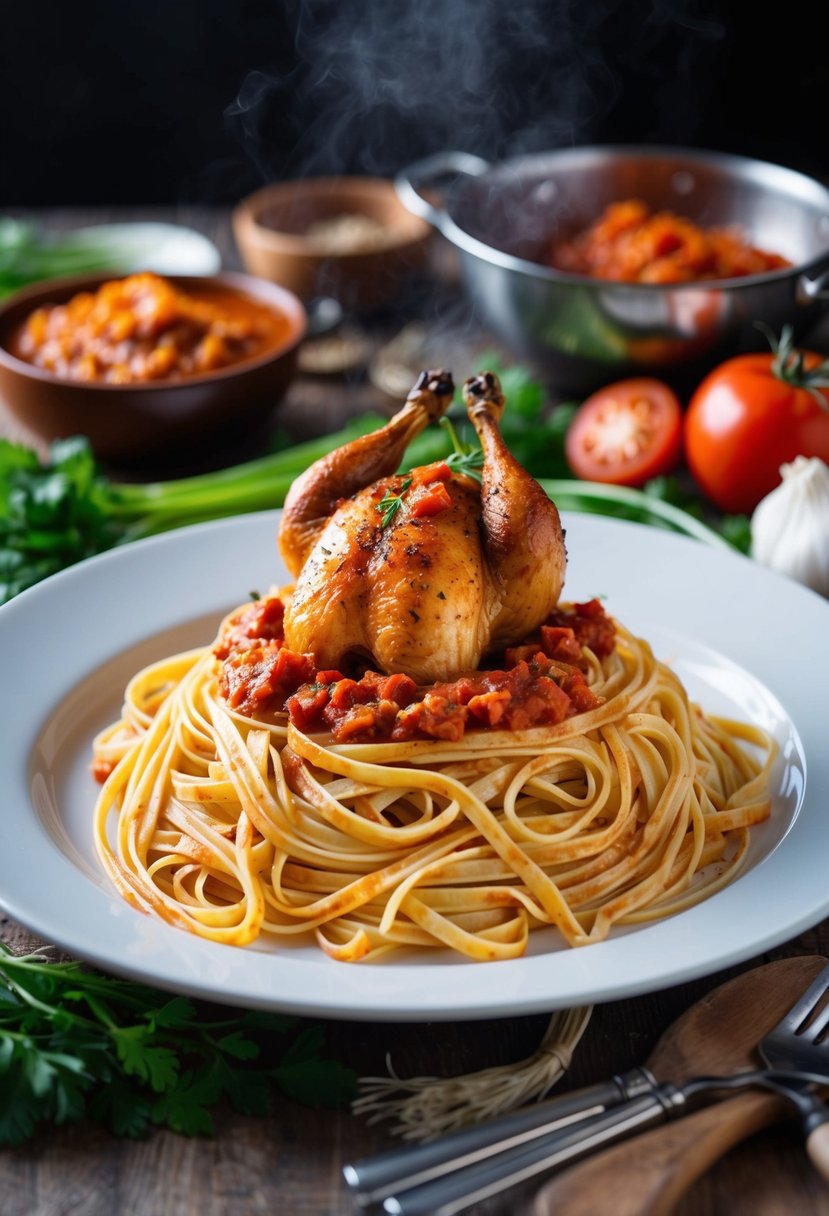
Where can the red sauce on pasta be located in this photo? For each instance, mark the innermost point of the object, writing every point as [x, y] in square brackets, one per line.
[539, 683]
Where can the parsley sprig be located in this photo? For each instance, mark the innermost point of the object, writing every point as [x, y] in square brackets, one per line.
[78, 1044]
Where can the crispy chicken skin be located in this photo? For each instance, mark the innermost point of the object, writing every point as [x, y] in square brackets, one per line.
[425, 594]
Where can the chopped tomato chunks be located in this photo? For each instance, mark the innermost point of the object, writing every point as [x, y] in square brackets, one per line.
[542, 682]
[435, 500]
[398, 688]
[566, 631]
[490, 707]
[259, 679]
[591, 625]
[436, 716]
[307, 704]
[259, 619]
[534, 691]
[559, 642]
[431, 473]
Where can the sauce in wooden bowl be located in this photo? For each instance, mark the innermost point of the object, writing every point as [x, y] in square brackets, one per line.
[144, 328]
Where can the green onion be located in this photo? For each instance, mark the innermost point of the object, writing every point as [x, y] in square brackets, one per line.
[624, 503]
[28, 256]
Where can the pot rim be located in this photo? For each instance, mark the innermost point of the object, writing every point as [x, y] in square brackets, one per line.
[747, 166]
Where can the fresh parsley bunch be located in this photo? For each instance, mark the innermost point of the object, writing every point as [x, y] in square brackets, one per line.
[51, 515]
[78, 1044]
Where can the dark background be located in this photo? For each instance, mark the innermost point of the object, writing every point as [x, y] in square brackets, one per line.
[167, 101]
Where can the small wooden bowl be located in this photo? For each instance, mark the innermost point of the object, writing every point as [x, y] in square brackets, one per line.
[275, 232]
[124, 422]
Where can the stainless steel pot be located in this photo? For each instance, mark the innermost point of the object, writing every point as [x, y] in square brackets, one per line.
[585, 332]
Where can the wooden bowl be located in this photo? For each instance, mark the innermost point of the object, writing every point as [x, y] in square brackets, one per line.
[124, 422]
[349, 238]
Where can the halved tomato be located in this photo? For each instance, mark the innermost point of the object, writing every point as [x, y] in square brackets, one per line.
[626, 433]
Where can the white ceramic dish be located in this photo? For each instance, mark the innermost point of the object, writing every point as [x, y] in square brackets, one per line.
[746, 642]
[164, 248]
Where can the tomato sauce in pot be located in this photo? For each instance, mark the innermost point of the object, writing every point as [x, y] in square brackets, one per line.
[630, 244]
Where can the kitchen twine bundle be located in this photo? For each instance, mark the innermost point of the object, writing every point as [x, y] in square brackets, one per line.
[426, 1107]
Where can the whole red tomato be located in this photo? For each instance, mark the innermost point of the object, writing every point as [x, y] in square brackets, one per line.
[752, 414]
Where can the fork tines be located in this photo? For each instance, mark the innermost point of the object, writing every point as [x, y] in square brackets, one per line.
[808, 1018]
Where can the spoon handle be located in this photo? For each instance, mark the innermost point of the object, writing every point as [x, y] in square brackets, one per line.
[649, 1177]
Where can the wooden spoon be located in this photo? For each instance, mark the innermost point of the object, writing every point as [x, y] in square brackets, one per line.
[717, 1035]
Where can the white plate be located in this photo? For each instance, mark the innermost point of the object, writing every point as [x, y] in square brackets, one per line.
[164, 248]
[745, 641]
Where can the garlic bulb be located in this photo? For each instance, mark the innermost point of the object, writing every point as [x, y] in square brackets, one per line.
[790, 526]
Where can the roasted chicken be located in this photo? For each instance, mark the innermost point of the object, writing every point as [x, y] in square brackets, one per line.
[422, 573]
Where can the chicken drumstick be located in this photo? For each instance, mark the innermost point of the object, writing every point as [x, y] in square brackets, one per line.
[312, 498]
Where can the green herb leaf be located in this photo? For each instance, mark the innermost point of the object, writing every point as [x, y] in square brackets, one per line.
[316, 1082]
[238, 1045]
[156, 1066]
[20, 1108]
[185, 1108]
[75, 1043]
[122, 1109]
[390, 503]
[250, 1092]
[175, 1014]
[59, 511]
[737, 531]
[466, 458]
[265, 1021]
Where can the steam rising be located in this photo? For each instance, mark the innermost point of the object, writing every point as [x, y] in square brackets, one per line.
[378, 83]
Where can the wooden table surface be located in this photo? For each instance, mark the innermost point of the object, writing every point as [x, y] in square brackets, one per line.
[290, 1164]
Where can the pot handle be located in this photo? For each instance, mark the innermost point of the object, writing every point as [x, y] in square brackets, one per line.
[809, 290]
[427, 173]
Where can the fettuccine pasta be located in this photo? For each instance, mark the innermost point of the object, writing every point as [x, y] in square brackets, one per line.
[232, 826]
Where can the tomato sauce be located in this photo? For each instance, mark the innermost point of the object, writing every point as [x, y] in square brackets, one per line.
[539, 683]
[145, 328]
[629, 243]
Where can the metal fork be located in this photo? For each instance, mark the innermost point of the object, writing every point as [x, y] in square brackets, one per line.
[799, 1042]
[793, 1048]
